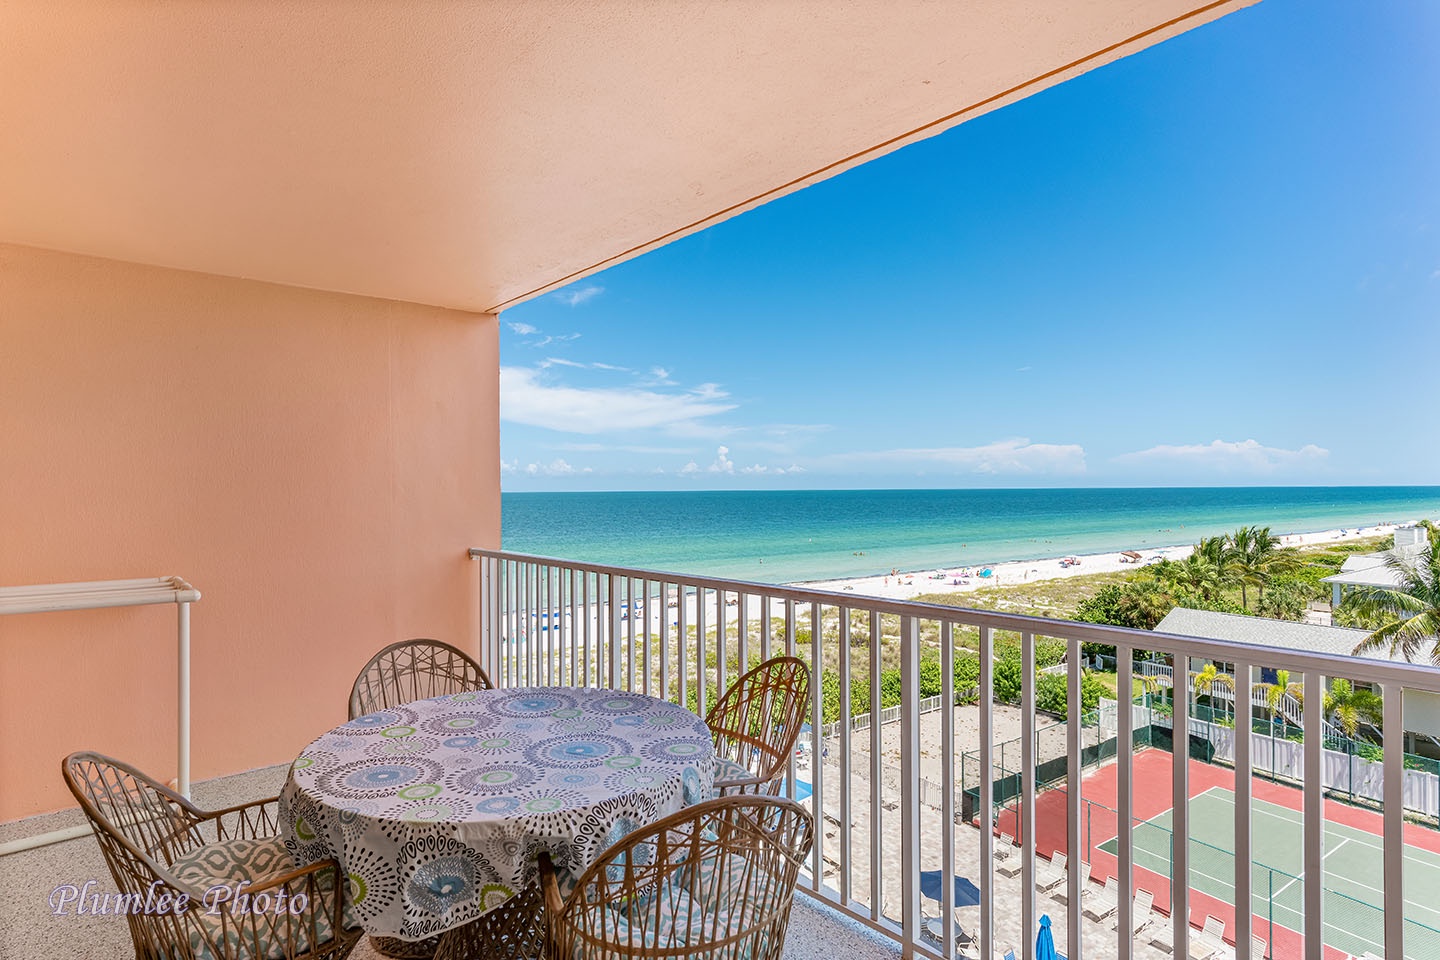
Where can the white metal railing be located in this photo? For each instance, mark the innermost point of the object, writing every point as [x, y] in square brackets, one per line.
[98, 594]
[887, 813]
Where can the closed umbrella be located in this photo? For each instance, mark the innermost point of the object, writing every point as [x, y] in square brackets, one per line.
[1045, 943]
[966, 893]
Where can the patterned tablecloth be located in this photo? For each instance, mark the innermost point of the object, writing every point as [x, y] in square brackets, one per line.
[438, 809]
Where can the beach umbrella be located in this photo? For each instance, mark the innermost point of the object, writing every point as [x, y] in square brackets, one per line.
[1045, 943]
[966, 893]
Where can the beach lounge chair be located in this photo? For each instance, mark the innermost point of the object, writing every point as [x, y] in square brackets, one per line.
[1257, 947]
[1104, 903]
[1009, 863]
[1139, 912]
[1212, 938]
[1050, 875]
[1162, 937]
[1161, 934]
[1061, 894]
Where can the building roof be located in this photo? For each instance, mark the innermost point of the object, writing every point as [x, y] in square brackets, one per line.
[1260, 631]
[1378, 576]
[474, 155]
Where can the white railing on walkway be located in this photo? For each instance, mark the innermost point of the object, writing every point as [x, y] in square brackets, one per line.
[546, 621]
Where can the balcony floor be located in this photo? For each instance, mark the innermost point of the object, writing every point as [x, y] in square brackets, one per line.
[29, 930]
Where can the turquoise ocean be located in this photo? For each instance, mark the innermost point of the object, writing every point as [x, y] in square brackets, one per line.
[799, 535]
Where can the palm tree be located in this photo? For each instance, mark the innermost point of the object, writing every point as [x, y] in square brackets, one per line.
[1197, 574]
[1253, 557]
[1275, 692]
[1208, 679]
[1411, 610]
[1347, 706]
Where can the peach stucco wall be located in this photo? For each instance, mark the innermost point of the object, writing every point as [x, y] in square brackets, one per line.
[315, 464]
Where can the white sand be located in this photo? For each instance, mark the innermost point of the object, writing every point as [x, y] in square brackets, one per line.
[903, 586]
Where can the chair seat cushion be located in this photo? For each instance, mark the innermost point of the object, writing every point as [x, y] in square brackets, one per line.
[230, 861]
[671, 919]
[226, 933]
[727, 770]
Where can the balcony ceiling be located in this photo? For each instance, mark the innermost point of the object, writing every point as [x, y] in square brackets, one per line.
[475, 154]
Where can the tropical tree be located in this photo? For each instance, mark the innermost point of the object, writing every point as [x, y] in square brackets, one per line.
[1275, 692]
[1347, 707]
[1252, 556]
[1410, 612]
[1197, 574]
[1208, 679]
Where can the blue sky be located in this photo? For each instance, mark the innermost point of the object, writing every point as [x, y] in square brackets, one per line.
[1214, 262]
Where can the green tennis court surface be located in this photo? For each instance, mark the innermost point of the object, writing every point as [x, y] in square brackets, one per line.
[1354, 872]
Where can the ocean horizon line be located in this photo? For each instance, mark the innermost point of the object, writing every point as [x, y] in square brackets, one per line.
[802, 536]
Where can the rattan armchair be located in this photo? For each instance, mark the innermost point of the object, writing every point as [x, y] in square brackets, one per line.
[160, 846]
[755, 726]
[414, 670]
[716, 880]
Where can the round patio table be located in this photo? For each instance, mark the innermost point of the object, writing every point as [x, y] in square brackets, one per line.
[438, 809]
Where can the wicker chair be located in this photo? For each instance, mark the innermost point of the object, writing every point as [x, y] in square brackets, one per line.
[414, 670]
[755, 726]
[716, 880]
[159, 846]
[515, 930]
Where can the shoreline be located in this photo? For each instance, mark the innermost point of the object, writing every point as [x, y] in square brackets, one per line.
[904, 585]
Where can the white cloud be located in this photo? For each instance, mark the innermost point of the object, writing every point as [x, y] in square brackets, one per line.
[690, 469]
[576, 297]
[657, 377]
[524, 398]
[509, 466]
[723, 463]
[709, 391]
[524, 329]
[560, 362]
[555, 468]
[610, 366]
[1017, 456]
[1247, 456]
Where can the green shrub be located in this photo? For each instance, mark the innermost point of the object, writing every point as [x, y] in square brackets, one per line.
[932, 678]
[1052, 693]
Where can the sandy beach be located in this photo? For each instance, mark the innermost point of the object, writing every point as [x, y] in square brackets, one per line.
[903, 585]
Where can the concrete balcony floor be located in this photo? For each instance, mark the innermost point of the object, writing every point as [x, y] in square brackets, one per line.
[30, 931]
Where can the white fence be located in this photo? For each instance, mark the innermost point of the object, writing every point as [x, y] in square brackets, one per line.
[1340, 772]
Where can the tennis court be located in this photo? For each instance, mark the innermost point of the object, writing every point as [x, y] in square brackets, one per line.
[1354, 863]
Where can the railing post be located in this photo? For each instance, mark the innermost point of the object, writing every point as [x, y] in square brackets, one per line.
[986, 813]
[1125, 794]
[1244, 904]
[1393, 890]
[845, 780]
[616, 654]
[910, 779]
[877, 773]
[1074, 772]
[1027, 792]
[947, 779]
[1180, 805]
[1314, 843]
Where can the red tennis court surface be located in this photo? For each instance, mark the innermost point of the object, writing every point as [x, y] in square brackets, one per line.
[1152, 779]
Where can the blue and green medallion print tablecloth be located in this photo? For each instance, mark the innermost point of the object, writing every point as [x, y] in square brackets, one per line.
[437, 809]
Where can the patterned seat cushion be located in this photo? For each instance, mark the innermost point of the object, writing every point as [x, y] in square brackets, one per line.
[671, 919]
[229, 863]
[727, 770]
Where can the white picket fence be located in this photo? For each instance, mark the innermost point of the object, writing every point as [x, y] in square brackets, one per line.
[861, 721]
[1341, 772]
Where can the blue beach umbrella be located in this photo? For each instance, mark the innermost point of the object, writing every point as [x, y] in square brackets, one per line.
[966, 893]
[1045, 943]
